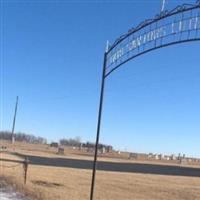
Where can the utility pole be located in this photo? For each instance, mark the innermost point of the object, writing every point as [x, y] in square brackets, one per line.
[14, 120]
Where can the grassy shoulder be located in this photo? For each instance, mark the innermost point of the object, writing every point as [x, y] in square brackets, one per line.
[65, 183]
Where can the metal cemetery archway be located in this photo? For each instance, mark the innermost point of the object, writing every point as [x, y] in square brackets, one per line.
[179, 25]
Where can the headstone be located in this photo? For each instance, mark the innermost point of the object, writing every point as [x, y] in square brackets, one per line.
[61, 151]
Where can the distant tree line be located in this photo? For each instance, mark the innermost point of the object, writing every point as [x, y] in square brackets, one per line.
[73, 142]
[76, 142]
[22, 137]
[92, 145]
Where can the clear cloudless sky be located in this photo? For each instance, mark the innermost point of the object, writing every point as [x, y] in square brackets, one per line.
[51, 57]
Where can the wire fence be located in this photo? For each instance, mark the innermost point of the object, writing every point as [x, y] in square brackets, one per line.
[17, 163]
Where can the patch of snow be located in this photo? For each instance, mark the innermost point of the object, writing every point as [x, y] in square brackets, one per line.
[9, 195]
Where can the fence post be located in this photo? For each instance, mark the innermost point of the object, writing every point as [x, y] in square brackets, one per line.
[26, 162]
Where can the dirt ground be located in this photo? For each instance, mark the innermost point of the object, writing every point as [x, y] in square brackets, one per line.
[61, 183]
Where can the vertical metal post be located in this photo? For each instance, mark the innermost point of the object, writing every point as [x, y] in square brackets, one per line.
[98, 128]
[14, 120]
[26, 162]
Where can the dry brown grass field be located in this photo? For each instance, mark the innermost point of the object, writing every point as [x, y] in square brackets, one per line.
[62, 183]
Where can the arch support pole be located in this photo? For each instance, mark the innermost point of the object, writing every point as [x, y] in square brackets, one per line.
[98, 128]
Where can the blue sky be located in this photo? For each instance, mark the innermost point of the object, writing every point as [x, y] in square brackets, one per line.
[51, 56]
